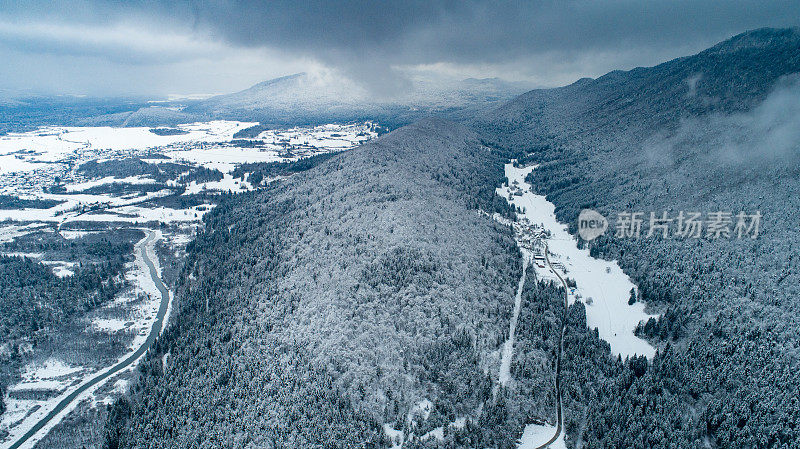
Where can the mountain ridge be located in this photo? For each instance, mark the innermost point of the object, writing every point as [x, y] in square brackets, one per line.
[316, 98]
[710, 132]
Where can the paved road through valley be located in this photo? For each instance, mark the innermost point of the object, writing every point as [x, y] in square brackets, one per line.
[98, 378]
[559, 412]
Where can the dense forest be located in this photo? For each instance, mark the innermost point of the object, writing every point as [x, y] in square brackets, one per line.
[161, 172]
[34, 298]
[316, 310]
[13, 202]
[325, 307]
[706, 133]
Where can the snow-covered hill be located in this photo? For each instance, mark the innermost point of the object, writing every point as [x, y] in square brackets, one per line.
[307, 97]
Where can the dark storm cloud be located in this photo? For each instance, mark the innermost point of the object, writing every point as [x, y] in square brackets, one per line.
[547, 41]
[414, 31]
[477, 31]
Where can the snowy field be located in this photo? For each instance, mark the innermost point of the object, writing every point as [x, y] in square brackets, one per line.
[31, 163]
[535, 435]
[207, 143]
[601, 285]
[59, 380]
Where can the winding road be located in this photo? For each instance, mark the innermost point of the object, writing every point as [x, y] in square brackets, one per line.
[559, 412]
[133, 357]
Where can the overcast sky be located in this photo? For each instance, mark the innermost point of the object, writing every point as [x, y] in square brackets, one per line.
[157, 47]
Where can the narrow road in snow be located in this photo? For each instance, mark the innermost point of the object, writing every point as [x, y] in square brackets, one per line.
[103, 375]
[559, 412]
[508, 348]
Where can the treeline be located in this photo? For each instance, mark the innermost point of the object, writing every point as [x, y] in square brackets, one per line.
[13, 202]
[727, 332]
[256, 172]
[318, 309]
[33, 298]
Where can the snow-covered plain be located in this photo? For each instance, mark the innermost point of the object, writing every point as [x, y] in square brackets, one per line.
[602, 285]
[30, 163]
[33, 161]
[61, 379]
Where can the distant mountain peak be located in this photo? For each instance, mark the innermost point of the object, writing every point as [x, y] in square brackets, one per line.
[279, 80]
[758, 38]
[304, 97]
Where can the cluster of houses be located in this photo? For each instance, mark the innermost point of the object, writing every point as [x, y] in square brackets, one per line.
[531, 238]
[514, 189]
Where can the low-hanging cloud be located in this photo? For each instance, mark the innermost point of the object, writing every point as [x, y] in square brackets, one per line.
[766, 134]
[548, 42]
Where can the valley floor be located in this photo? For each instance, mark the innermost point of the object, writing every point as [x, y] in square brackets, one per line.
[553, 254]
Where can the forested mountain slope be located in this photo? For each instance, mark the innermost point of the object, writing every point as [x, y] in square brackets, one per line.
[316, 311]
[717, 131]
[307, 98]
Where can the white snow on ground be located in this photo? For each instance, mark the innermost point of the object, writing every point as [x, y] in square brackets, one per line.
[109, 325]
[437, 433]
[71, 235]
[79, 186]
[52, 375]
[137, 214]
[11, 163]
[51, 144]
[74, 206]
[421, 410]
[227, 184]
[50, 369]
[23, 414]
[140, 277]
[508, 347]
[9, 232]
[35, 160]
[60, 267]
[121, 386]
[224, 159]
[21, 254]
[535, 435]
[396, 437]
[327, 136]
[601, 280]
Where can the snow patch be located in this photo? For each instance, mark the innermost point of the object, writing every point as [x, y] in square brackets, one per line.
[536, 435]
[109, 325]
[601, 280]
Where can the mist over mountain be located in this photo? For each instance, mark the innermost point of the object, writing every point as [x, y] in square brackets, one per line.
[709, 132]
[313, 98]
[290, 100]
[372, 275]
[337, 286]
